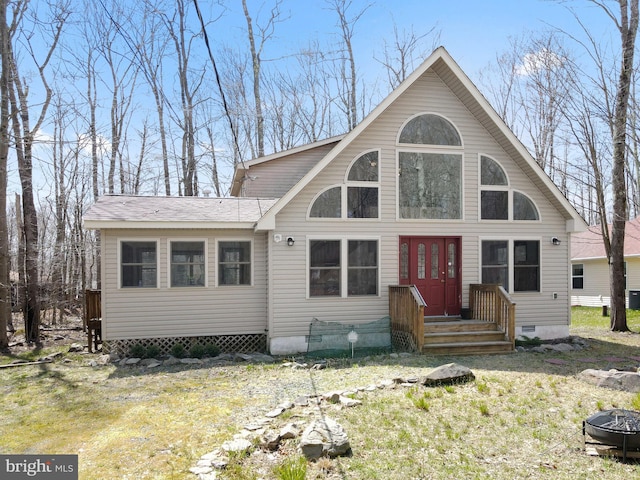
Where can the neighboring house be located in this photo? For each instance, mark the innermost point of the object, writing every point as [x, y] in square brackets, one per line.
[590, 267]
[430, 189]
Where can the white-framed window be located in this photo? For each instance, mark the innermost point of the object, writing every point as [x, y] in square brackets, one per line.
[235, 264]
[498, 201]
[344, 267]
[187, 263]
[577, 276]
[514, 264]
[429, 169]
[138, 261]
[359, 194]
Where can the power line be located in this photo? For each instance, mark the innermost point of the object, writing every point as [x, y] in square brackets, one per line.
[219, 83]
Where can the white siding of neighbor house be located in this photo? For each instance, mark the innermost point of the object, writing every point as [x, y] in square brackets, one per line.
[292, 310]
[274, 178]
[130, 313]
[596, 291]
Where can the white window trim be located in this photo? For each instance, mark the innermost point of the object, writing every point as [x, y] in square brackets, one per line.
[119, 242]
[510, 264]
[217, 261]
[206, 261]
[344, 268]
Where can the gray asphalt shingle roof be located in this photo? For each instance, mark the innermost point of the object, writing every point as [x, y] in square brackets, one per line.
[137, 209]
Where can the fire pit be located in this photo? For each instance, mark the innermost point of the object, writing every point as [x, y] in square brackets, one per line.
[617, 428]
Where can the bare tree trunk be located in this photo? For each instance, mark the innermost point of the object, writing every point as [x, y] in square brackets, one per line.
[628, 27]
[5, 288]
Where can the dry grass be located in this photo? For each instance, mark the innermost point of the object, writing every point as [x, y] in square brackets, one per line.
[521, 418]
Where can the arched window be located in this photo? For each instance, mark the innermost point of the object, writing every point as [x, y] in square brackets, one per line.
[359, 192]
[327, 204]
[497, 200]
[430, 180]
[524, 208]
[430, 129]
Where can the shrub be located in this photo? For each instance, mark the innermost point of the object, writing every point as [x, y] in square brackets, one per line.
[152, 351]
[197, 351]
[211, 350]
[137, 351]
[178, 350]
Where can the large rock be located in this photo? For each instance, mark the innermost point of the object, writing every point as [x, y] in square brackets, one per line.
[614, 379]
[324, 437]
[448, 374]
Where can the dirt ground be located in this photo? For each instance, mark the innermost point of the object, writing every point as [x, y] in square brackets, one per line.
[64, 332]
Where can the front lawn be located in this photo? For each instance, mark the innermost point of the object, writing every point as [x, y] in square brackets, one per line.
[520, 418]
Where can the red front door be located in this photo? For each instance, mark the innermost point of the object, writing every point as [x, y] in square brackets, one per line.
[432, 264]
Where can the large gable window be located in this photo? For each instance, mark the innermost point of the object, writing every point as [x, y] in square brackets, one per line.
[497, 200]
[359, 192]
[429, 179]
[138, 264]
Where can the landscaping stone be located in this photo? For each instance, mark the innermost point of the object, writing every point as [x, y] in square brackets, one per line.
[324, 437]
[614, 379]
[448, 374]
[237, 445]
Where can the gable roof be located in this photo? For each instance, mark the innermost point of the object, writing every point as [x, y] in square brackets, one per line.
[590, 245]
[241, 169]
[129, 211]
[449, 71]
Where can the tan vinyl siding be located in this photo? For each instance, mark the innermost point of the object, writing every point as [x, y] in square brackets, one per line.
[292, 310]
[188, 311]
[274, 178]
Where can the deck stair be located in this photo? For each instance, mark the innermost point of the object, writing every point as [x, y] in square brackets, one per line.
[453, 336]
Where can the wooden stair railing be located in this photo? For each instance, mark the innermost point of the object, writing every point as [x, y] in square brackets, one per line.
[406, 309]
[491, 303]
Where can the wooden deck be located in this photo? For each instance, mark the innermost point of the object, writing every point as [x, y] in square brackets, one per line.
[490, 331]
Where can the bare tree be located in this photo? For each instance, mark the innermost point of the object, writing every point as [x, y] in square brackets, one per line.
[256, 48]
[347, 73]
[402, 53]
[627, 25]
[5, 300]
[24, 137]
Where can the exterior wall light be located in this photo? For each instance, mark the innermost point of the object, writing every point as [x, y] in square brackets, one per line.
[555, 240]
[291, 241]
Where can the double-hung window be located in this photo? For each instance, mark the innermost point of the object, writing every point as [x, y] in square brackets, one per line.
[138, 264]
[343, 268]
[187, 263]
[577, 276]
[512, 263]
[234, 263]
